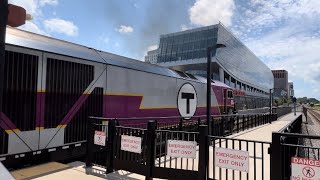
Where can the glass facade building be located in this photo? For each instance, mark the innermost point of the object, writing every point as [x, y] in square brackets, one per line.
[235, 64]
[186, 45]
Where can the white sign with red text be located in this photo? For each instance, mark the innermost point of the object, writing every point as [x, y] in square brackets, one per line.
[182, 149]
[232, 159]
[131, 143]
[100, 138]
[303, 168]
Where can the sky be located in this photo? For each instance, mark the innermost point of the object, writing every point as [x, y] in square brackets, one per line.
[284, 34]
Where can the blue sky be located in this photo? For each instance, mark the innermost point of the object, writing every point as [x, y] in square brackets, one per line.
[284, 34]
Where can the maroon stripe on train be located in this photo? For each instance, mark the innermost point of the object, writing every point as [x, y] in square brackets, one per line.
[40, 109]
[6, 122]
[75, 108]
[128, 106]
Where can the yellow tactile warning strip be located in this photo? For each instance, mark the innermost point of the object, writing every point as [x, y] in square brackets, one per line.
[39, 170]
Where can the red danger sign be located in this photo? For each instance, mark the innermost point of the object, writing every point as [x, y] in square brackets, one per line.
[100, 138]
[303, 168]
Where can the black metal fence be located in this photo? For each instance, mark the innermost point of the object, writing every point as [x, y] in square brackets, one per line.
[259, 158]
[267, 160]
[288, 143]
[153, 160]
[219, 125]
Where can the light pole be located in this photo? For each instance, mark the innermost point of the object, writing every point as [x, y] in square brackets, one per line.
[3, 25]
[271, 100]
[210, 50]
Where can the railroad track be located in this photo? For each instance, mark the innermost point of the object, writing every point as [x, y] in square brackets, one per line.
[314, 113]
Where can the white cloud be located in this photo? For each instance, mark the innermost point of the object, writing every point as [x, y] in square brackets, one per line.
[125, 29]
[149, 48]
[31, 6]
[268, 13]
[208, 12]
[61, 26]
[32, 27]
[34, 7]
[152, 47]
[292, 50]
[48, 2]
[184, 27]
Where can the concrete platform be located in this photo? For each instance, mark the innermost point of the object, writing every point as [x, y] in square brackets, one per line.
[78, 171]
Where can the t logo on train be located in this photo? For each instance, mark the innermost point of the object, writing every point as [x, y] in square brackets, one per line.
[187, 101]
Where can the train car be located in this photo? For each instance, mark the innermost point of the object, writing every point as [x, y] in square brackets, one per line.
[52, 86]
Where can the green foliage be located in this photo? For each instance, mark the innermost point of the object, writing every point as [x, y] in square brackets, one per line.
[308, 100]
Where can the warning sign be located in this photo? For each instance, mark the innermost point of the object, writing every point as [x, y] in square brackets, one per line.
[131, 143]
[303, 168]
[232, 159]
[183, 149]
[100, 138]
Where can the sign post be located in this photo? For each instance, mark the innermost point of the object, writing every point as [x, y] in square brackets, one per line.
[3, 25]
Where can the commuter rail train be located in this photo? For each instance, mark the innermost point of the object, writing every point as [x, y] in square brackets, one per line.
[52, 86]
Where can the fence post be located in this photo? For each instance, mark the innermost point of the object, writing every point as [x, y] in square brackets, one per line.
[238, 124]
[111, 144]
[231, 125]
[203, 152]
[213, 129]
[222, 126]
[90, 146]
[180, 124]
[151, 139]
[276, 159]
[255, 120]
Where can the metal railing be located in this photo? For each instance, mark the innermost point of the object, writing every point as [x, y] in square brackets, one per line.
[258, 156]
[153, 160]
[220, 125]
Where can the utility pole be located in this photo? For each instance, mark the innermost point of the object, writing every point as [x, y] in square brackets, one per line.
[210, 51]
[3, 25]
[271, 101]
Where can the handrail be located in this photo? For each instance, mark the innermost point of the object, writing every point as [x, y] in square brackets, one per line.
[296, 135]
[290, 124]
[173, 117]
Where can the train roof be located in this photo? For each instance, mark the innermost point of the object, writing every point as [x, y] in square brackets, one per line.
[31, 40]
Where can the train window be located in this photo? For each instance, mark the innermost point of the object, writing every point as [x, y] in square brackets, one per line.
[181, 74]
[230, 94]
[191, 76]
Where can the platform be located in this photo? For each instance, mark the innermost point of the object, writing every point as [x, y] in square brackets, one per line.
[78, 171]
